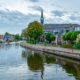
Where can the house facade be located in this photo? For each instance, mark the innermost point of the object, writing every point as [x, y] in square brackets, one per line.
[4, 38]
[9, 38]
[77, 28]
[0, 38]
[57, 29]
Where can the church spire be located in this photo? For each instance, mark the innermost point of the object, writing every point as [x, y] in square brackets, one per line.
[41, 13]
[42, 18]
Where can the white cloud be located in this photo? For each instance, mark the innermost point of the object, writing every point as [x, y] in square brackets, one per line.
[21, 12]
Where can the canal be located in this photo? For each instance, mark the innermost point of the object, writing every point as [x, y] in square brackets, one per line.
[18, 63]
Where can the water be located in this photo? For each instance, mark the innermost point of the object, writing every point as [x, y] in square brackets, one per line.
[17, 63]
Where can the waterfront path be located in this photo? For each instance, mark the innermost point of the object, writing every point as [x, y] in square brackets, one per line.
[37, 46]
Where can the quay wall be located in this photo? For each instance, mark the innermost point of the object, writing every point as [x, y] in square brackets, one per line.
[67, 53]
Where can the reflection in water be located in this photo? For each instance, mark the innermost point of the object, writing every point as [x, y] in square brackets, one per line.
[34, 61]
[17, 63]
[72, 69]
[17, 45]
[49, 60]
[6, 46]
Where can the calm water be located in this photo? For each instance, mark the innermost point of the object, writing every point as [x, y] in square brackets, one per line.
[17, 63]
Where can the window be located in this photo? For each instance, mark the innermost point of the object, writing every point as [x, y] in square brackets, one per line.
[59, 40]
[67, 31]
[55, 33]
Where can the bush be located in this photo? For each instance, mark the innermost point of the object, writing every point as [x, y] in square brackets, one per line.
[0, 41]
[32, 39]
[68, 46]
[77, 46]
[10, 41]
[32, 42]
[44, 44]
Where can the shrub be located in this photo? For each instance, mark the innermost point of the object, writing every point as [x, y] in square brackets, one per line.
[32, 39]
[0, 41]
[77, 46]
[35, 42]
[10, 41]
[67, 46]
[44, 44]
[32, 42]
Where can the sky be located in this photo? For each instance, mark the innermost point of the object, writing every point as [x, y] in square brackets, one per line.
[15, 15]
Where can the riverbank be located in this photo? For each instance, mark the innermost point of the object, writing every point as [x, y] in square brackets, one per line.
[69, 53]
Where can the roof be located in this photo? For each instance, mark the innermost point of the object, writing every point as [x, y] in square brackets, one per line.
[77, 26]
[56, 26]
[59, 28]
[61, 32]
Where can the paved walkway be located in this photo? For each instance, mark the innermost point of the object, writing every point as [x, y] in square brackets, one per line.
[60, 49]
[74, 51]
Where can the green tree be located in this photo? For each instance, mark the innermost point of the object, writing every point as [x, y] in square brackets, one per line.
[67, 36]
[6, 33]
[63, 37]
[50, 37]
[34, 30]
[74, 35]
[24, 32]
[17, 37]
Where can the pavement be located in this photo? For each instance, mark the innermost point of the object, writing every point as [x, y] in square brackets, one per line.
[67, 50]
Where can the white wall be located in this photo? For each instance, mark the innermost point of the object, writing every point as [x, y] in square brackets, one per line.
[77, 28]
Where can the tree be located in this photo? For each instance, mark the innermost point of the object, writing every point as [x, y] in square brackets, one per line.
[34, 30]
[67, 36]
[74, 35]
[63, 37]
[17, 37]
[24, 32]
[6, 33]
[50, 37]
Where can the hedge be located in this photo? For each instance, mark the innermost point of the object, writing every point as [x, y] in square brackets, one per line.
[77, 46]
[68, 46]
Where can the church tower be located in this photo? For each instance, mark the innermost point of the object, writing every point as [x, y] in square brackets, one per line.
[42, 18]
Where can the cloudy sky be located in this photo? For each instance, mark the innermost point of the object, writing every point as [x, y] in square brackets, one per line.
[15, 15]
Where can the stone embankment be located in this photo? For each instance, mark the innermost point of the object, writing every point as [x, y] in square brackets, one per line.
[68, 53]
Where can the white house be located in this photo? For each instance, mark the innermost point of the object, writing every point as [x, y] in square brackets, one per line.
[77, 28]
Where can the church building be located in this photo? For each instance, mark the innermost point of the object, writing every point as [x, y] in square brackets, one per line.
[57, 29]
